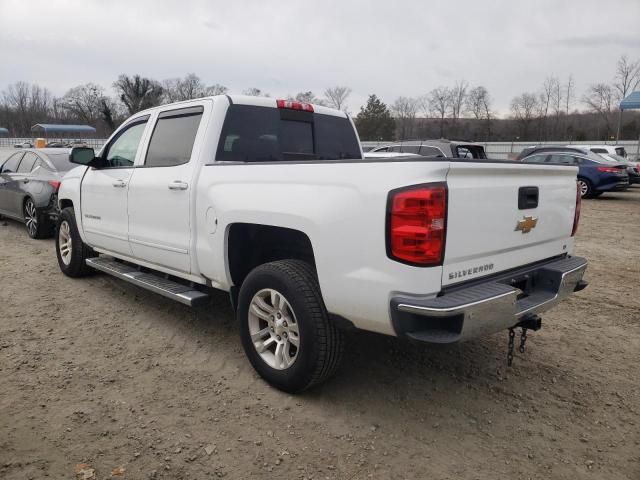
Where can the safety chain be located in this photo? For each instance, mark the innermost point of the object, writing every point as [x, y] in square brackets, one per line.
[512, 335]
[523, 340]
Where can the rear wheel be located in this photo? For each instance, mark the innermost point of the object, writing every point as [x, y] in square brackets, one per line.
[284, 326]
[71, 251]
[36, 221]
[585, 187]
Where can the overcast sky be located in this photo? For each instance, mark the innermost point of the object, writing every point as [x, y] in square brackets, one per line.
[390, 48]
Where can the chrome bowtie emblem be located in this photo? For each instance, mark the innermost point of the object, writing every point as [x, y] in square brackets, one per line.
[526, 224]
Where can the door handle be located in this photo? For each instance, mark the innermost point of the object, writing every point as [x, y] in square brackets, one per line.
[26, 180]
[120, 184]
[178, 185]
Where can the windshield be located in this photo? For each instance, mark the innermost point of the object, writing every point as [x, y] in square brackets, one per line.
[265, 134]
[60, 161]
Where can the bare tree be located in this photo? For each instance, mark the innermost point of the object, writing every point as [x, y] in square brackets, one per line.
[439, 100]
[626, 80]
[556, 105]
[404, 109]
[478, 103]
[255, 92]
[599, 99]
[544, 104]
[523, 108]
[84, 102]
[336, 97]
[216, 89]
[180, 89]
[138, 93]
[458, 95]
[568, 93]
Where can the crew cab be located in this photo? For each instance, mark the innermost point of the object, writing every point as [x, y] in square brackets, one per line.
[272, 201]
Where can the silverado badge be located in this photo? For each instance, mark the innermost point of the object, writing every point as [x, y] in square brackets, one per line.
[526, 224]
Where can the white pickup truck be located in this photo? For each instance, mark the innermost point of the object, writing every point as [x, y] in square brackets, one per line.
[272, 201]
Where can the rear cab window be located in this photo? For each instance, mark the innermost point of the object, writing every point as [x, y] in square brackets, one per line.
[470, 151]
[266, 134]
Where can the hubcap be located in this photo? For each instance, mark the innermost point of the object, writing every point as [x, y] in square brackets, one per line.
[64, 242]
[274, 329]
[584, 188]
[31, 217]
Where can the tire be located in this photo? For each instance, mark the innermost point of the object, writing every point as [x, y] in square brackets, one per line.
[586, 189]
[71, 251]
[303, 318]
[36, 221]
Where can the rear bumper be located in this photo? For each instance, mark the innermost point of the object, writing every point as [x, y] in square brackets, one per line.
[488, 306]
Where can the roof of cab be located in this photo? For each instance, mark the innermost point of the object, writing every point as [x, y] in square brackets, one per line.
[245, 100]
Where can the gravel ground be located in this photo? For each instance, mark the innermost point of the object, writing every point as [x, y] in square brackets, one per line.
[97, 372]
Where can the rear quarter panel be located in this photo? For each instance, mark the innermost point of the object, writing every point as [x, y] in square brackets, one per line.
[341, 207]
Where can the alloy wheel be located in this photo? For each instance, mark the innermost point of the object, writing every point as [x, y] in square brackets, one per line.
[584, 188]
[31, 217]
[64, 242]
[274, 329]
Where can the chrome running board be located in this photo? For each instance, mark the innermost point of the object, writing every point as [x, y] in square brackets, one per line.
[149, 281]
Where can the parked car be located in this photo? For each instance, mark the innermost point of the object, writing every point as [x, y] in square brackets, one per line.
[596, 175]
[436, 148]
[29, 182]
[389, 155]
[609, 149]
[633, 168]
[272, 201]
[23, 145]
[549, 148]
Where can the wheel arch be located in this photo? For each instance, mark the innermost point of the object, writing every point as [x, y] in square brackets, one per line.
[250, 244]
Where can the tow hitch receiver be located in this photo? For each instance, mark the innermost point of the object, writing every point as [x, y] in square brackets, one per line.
[529, 322]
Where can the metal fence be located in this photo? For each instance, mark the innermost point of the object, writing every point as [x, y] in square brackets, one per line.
[95, 143]
[497, 150]
[505, 150]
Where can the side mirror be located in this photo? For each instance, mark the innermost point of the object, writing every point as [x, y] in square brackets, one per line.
[82, 156]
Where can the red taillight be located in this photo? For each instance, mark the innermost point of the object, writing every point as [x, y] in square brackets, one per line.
[609, 169]
[295, 105]
[576, 216]
[417, 224]
[54, 184]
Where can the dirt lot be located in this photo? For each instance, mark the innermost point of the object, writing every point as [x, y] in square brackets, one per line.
[95, 371]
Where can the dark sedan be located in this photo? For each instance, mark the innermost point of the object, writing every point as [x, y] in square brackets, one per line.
[596, 175]
[29, 182]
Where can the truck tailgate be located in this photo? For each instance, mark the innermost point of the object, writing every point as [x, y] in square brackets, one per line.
[488, 231]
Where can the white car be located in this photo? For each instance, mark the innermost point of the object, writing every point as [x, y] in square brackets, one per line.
[272, 201]
[608, 149]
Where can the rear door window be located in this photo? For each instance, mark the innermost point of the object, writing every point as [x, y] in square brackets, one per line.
[562, 159]
[173, 137]
[265, 134]
[26, 165]
[430, 152]
[535, 159]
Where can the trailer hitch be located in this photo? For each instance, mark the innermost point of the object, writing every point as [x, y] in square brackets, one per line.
[528, 322]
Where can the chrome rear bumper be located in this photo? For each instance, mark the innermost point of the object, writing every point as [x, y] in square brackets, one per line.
[488, 306]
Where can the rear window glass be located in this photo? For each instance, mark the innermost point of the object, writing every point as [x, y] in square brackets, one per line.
[60, 161]
[599, 150]
[264, 134]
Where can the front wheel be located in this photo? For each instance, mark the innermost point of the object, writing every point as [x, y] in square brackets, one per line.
[284, 326]
[71, 250]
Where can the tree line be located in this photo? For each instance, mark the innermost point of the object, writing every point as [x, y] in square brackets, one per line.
[458, 111]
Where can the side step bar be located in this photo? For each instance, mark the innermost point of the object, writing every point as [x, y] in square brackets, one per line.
[149, 281]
